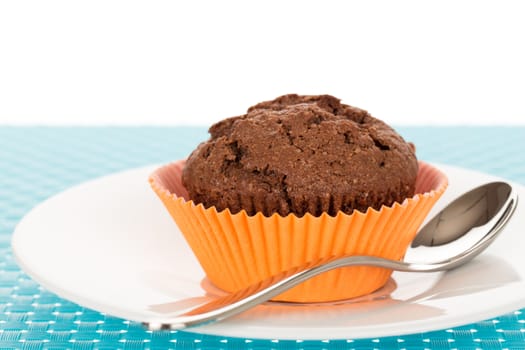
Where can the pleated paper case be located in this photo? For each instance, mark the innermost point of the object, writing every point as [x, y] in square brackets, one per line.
[237, 250]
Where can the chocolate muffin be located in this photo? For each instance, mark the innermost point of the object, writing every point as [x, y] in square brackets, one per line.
[301, 154]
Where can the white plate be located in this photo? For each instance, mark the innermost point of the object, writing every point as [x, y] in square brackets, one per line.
[110, 245]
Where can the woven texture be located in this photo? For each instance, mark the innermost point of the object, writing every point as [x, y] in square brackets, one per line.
[38, 162]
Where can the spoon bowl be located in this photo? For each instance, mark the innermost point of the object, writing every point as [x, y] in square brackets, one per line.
[457, 234]
[465, 227]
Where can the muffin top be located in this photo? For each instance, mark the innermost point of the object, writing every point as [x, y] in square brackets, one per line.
[301, 154]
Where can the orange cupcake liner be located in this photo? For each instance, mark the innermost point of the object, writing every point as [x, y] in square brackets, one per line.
[237, 250]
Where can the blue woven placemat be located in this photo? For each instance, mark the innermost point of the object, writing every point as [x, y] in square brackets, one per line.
[37, 162]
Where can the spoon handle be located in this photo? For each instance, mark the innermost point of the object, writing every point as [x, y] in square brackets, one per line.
[237, 302]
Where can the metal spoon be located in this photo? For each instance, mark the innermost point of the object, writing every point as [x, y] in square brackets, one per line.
[453, 237]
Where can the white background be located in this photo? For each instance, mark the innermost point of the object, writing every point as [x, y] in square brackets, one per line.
[196, 62]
